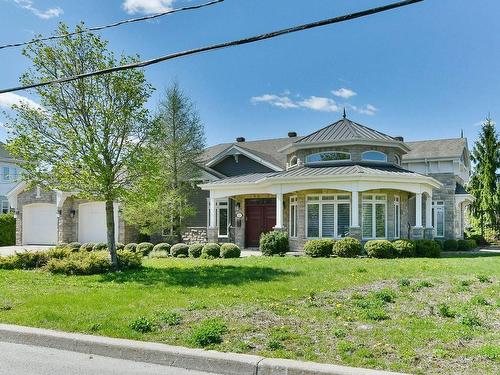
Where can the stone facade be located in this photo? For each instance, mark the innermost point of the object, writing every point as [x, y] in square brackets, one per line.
[447, 194]
[195, 235]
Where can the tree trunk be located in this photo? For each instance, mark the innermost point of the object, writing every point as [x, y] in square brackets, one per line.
[110, 229]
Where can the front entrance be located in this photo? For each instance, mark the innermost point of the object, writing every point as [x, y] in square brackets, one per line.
[260, 217]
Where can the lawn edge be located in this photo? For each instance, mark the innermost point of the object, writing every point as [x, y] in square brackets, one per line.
[174, 356]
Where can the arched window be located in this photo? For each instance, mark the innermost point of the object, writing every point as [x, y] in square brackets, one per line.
[374, 156]
[327, 156]
[293, 161]
[397, 159]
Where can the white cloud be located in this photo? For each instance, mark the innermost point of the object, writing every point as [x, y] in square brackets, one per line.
[43, 14]
[318, 103]
[147, 6]
[275, 100]
[7, 100]
[344, 93]
[368, 109]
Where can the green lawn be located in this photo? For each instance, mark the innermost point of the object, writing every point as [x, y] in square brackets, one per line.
[415, 315]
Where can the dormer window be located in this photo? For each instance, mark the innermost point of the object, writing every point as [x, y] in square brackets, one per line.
[397, 159]
[293, 162]
[327, 156]
[374, 156]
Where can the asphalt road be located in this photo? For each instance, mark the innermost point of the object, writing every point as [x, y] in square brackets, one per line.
[18, 359]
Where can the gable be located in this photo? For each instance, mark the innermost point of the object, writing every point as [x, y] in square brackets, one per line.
[237, 165]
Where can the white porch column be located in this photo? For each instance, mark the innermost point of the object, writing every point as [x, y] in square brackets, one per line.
[213, 213]
[428, 211]
[354, 209]
[418, 210]
[279, 211]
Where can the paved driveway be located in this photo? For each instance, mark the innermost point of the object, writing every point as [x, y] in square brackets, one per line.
[10, 250]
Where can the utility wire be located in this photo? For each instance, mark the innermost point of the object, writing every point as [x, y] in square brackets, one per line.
[115, 24]
[239, 42]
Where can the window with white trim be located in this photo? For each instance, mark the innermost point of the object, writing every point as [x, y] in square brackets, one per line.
[5, 207]
[374, 216]
[327, 157]
[397, 216]
[328, 215]
[438, 218]
[293, 161]
[293, 217]
[374, 156]
[222, 216]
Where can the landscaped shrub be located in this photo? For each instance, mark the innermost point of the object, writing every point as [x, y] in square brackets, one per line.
[159, 254]
[59, 252]
[87, 246]
[100, 246]
[347, 247]
[210, 251]
[209, 332]
[30, 260]
[230, 250]
[465, 245]
[380, 249]
[8, 262]
[162, 246]
[80, 264]
[74, 246]
[179, 249]
[195, 250]
[427, 249]
[119, 246]
[318, 248]
[450, 245]
[404, 248]
[274, 243]
[128, 260]
[144, 248]
[130, 247]
[480, 240]
[7, 230]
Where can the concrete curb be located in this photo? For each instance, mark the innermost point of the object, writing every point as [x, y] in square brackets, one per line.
[174, 356]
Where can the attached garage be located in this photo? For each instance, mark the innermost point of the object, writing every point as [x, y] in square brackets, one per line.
[92, 222]
[39, 224]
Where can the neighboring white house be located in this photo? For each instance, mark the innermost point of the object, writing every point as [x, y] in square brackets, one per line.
[9, 177]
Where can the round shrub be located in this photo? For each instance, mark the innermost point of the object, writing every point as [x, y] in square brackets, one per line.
[131, 247]
[230, 250]
[427, 249]
[128, 260]
[178, 249]
[144, 248]
[159, 254]
[472, 243]
[318, 248]
[210, 251]
[450, 245]
[119, 246]
[162, 246]
[274, 243]
[195, 250]
[100, 246]
[404, 248]
[74, 246]
[87, 246]
[380, 249]
[465, 245]
[347, 247]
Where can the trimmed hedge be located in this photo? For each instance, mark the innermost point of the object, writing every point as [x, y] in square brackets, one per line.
[7, 230]
[465, 245]
[450, 245]
[347, 247]
[319, 248]
[144, 248]
[74, 246]
[230, 250]
[380, 249]
[404, 248]
[87, 246]
[274, 243]
[195, 250]
[100, 246]
[210, 251]
[179, 249]
[427, 249]
[120, 246]
[131, 247]
[162, 246]
[480, 240]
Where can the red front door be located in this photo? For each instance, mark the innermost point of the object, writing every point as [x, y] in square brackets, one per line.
[260, 217]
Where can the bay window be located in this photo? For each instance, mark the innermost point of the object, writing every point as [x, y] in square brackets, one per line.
[374, 216]
[438, 218]
[328, 216]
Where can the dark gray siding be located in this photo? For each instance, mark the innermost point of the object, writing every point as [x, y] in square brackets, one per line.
[199, 201]
[229, 167]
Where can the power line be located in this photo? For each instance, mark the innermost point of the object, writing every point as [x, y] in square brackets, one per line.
[115, 24]
[234, 43]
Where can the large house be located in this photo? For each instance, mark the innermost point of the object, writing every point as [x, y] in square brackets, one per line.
[343, 180]
[9, 177]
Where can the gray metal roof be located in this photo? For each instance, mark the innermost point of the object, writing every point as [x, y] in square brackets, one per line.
[436, 148]
[344, 130]
[343, 170]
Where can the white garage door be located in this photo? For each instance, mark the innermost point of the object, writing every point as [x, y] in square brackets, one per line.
[39, 224]
[92, 222]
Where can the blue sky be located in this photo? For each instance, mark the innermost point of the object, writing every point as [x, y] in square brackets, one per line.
[425, 71]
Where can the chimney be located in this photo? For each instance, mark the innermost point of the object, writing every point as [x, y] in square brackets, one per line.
[399, 138]
[292, 134]
[240, 139]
